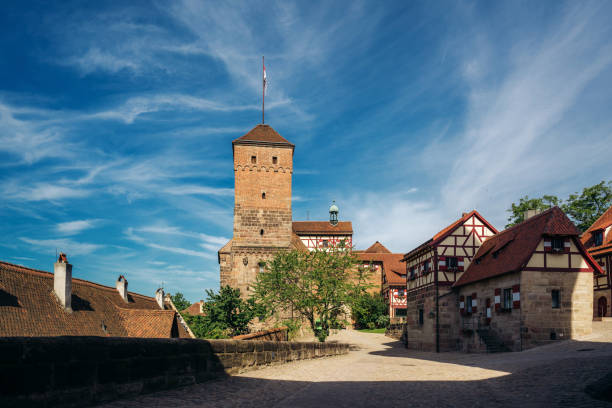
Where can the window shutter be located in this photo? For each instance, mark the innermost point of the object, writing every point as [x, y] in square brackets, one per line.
[497, 299]
[488, 311]
[462, 304]
[442, 263]
[516, 297]
[566, 245]
[460, 263]
[474, 303]
[547, 245]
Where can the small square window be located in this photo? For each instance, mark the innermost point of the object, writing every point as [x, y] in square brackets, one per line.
[556, 299]
[452, 262]
[325, 243]
[274, 160]
[253, 159]
[558, 244]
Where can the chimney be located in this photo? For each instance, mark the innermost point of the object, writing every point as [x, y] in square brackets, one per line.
[62, 281]
[530, 213]
[201, 306]
[159, 297]
[122, 285]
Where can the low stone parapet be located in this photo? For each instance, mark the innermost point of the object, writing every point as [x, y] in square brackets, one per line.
[276, 334]
[79, 371]
[396, 331]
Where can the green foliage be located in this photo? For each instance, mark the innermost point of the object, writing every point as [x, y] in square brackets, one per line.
[226, 314]
[370, 310]
[585, 208]
[317, 285]
[180, 302]
[294, 327]
[517, 211]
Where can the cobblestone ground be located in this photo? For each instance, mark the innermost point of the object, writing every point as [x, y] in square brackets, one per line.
[382, 373]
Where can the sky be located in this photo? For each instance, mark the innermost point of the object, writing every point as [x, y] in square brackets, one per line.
[116, 121]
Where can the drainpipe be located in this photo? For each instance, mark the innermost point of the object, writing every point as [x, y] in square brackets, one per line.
[437, 300]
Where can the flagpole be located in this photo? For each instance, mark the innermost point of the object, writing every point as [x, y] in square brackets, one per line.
[263, 91]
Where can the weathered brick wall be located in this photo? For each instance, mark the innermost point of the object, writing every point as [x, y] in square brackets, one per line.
[276, 334]
[79, 371]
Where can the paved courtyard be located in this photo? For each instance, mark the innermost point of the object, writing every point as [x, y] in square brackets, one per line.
[382, 373]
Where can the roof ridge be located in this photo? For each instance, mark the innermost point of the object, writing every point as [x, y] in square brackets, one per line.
[528, 220]
[46, 274]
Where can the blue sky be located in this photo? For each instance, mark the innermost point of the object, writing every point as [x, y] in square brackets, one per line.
[116, 121]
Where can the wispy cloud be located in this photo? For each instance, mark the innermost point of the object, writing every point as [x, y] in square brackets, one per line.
[43, 192]
[75, 227]
[66, 245]
[199, 190]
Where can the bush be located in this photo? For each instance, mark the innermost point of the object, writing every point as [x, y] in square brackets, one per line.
[370, 311]
[293, 326]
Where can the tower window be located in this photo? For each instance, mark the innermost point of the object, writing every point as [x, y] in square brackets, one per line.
[261, 232]
[263, 195]
[253, 159]
[274, 160]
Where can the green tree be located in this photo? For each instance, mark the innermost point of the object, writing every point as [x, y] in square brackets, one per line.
[180, 302]
[226, 314]
[370, 311]
[585, 208]
[517, 211]
[317, 285]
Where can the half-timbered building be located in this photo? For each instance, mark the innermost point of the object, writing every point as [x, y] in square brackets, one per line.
[598, 240]
[388, 277]
[324, 234]
[432, 268]
[527, 286]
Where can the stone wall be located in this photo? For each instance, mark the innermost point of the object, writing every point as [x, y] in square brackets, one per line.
[543, 324]
[79, 371]
[276, 334]
[423, 336]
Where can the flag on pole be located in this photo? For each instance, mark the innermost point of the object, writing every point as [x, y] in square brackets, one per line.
[265, 81]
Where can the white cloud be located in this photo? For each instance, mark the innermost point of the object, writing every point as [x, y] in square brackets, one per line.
[65, 245]
[199, 190]
[182, 251]
[75, 227]
[43, 192]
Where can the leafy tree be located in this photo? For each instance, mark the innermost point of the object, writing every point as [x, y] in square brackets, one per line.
[585, 208]
[318, 285]
[370, 311]
[517, 211]
[179, 301]
[226, 314]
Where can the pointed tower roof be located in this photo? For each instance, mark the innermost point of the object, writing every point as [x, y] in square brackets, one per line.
[377, 247]
[263, 135]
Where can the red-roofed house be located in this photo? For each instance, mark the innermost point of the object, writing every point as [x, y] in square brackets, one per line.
[598, 241]
[432, 268]
[35, 303]
[527, 285]
[389, 278]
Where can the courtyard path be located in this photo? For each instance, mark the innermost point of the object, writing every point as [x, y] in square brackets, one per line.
[381, 372]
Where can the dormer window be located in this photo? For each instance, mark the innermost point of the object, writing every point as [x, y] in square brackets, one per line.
[558, 244]
[253, 159]
[274, 160]
[598, 237]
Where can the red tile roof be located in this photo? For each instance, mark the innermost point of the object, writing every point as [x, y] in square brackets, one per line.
[377, 247]
[195, 308]
[322, 227]
[263, 134]
[514, 246]
[603, 222]
[449, 229]
[28, 307]
[391, 264]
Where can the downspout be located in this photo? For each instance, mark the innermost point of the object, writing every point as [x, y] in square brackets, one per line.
[437, 301]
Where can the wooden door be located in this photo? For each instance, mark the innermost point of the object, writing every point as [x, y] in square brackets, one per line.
[602, 307]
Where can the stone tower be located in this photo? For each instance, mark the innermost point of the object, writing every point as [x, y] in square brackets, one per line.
[263, 167]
